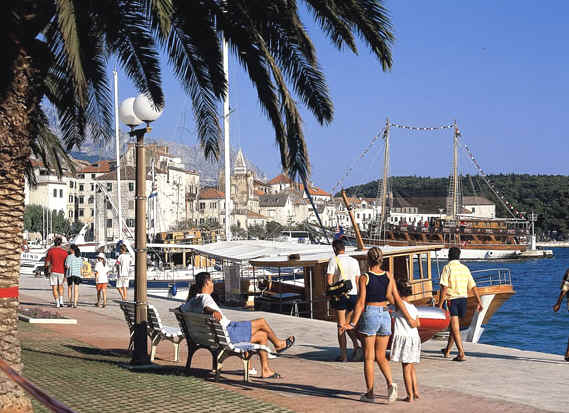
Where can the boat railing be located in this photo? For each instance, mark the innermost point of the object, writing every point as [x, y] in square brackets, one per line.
[492, 276]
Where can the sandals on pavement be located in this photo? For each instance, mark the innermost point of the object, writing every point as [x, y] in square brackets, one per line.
[365, 398]
[457, 358]
[289, 343]
[341, 359]
[444, 351]
[275, 375]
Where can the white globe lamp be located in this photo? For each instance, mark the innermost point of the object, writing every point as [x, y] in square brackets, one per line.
[144, 109]
[126, 113]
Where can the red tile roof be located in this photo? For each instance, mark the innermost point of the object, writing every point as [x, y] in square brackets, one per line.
[99, 167]
[317, 191]
[280, 179]
[211, 193]
[254, 215]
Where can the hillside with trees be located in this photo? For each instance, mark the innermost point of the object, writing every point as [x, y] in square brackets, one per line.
[545, 195]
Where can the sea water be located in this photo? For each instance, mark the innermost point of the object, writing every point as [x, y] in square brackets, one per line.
[527, 321]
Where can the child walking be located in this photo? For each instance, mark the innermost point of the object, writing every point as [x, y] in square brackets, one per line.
[101, 279]
[406, 344]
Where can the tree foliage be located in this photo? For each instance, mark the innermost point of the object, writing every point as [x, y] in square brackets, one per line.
[545, 195]
[35, 217]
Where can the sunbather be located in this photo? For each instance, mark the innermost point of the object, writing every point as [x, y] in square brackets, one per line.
[256, 331]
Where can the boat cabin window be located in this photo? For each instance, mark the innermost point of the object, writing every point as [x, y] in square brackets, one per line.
[420, 267]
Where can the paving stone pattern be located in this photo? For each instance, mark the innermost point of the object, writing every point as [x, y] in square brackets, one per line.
[91, 380]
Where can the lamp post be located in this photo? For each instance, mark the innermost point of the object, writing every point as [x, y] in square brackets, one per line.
[133, 112]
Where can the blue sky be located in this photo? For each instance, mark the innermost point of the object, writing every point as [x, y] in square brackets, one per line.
[499, 68]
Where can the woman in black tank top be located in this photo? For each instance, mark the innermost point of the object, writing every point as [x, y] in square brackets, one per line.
[376, 291]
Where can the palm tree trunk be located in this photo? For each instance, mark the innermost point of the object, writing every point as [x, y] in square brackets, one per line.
[16, 104]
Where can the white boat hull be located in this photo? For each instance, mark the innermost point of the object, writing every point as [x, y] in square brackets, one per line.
[480, 254]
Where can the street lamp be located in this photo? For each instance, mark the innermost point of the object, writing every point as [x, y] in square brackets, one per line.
[133, 112]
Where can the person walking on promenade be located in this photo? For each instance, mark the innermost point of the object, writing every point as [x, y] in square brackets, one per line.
[563, 293]
[406, 343]
[123, 268]
[256, 331]
[344, 267]
[456, 282]
[376, 290]
[55, 267]
[101, 279]
[74, 263]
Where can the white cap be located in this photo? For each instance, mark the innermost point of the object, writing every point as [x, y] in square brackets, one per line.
[101, 255]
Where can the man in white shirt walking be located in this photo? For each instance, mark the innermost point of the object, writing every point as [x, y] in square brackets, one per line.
[344, 267]
[123, 268]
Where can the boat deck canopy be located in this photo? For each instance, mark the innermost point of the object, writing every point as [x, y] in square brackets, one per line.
[246, 250]
[308, 258]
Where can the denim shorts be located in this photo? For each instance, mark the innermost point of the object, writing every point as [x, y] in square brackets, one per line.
[239, 331]
[375, 321]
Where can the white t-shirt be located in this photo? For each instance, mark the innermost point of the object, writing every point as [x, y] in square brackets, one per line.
[101, 273]
[124, 261]
[199, 302]
[350, 270]
[402, 328]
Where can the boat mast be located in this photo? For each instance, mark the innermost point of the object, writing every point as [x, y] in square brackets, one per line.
[117, 147]
[383, 216]
[227, 177]
[455, 206]
[359, 239]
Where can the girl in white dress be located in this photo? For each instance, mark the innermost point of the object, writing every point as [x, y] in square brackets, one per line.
[406, 343]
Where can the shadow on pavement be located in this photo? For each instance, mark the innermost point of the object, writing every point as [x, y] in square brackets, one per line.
[432, 354]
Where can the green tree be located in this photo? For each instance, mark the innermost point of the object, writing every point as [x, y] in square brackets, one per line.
[273, 229]
[58, 49]
[35, 216]
[256, 231]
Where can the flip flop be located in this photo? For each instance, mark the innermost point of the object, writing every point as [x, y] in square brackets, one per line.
[339, 358]
[458, 359]
[444, 351]
[289, 343]
[275, 375]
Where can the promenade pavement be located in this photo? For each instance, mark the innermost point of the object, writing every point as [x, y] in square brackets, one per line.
[493, 379]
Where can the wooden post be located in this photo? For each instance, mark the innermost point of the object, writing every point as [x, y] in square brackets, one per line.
[359, 239]
[140, 353]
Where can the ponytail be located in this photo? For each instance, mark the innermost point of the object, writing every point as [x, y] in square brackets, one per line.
[374, 257]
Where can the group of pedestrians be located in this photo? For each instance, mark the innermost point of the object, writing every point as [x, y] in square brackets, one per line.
[67, 267]
[363, 314]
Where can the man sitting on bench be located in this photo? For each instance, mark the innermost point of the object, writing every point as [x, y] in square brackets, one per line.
[256, 331]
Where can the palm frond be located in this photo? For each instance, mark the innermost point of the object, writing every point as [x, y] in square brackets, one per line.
[47, 147]
[68, 49]
[159, 13]
[129, 36]
[370, 19]
[326, 14]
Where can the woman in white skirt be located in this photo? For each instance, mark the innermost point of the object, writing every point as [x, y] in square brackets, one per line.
[406, 343]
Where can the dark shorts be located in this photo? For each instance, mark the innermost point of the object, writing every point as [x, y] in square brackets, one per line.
[239, 331]
[345, 303]
[73, 280]
[457, 307]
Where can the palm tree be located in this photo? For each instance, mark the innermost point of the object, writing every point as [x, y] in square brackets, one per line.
[57, 50]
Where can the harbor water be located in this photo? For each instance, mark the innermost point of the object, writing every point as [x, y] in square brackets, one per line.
[527, 321]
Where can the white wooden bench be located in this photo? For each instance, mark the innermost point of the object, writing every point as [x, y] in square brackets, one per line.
[203, 331]
[156, 330]
[129, 312]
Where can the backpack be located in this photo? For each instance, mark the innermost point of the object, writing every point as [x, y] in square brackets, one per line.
[86, 271]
